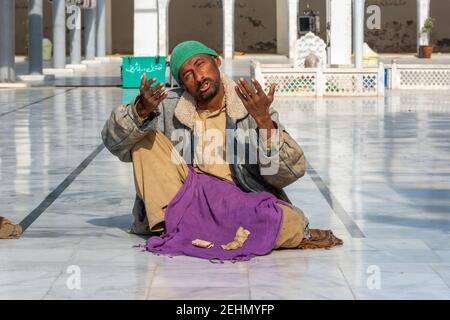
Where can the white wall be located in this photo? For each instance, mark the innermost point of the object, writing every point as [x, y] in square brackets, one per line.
[341, 32]
[200, 20]
[282, 27]
[256, 26]
[397, 34]
[145, 28]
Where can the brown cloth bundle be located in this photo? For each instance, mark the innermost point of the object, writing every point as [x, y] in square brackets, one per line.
[320, 239]
[8, 230]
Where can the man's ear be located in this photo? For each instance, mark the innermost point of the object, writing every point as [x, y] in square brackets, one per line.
[181, 85]
[218, 61]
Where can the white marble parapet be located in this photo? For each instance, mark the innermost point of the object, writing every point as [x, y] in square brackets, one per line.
[35, 77]
[57, 71]
[13, 85]
[90, 62]
[322, 81]
[76, 66]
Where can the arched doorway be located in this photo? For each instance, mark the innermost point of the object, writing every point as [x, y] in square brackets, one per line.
[21, 22]
[255, 26]
[122, 25]
[440, 37]
[398, 31]
[200, 20]
[319, 7]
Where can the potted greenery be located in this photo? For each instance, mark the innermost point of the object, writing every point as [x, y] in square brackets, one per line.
[425, 51]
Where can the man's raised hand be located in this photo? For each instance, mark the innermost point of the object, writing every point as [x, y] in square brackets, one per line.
[256, 101]
[149, 97]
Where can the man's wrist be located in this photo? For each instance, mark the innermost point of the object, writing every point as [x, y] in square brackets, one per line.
[137, 110]
[140, 108]
[266, 124]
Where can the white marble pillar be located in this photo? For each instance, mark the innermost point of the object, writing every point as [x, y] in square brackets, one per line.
[74, 25]
[163, 27]
[423, 12]
[35, 36]
[358, 31]
[108, 27]
[340, 32]
[100, 26]
[90, 17]
[287, 26]
[293, 9]
[146, 28]
[282, 27]
[59, 34]
[7, 40]
[228, 28]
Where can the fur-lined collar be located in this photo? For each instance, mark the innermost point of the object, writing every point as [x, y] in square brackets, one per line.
[185, 109]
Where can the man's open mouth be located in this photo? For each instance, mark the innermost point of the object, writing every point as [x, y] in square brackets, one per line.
[204, 87]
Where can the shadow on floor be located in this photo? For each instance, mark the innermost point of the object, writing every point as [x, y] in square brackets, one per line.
[121, 222]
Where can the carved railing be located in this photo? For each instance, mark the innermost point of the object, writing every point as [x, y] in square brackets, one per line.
[419, 76]
[320, 81]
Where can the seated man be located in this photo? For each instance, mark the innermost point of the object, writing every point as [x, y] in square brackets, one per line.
[215, 117]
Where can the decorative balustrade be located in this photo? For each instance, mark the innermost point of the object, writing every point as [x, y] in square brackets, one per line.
[419, 76]
[320, 81]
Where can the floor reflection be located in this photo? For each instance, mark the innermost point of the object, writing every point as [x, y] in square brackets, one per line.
[385, 161]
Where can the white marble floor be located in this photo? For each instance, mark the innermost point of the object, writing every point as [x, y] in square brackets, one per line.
[379, 177]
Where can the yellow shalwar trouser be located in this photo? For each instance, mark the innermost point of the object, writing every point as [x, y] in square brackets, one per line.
[158, 178]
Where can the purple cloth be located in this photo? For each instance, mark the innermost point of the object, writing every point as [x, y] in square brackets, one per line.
[211, 209]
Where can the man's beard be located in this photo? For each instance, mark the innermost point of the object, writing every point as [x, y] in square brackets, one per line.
[212, 91]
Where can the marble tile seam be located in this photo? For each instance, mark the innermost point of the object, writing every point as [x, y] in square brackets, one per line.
[35, 102]
[52, 196]
[334, 204]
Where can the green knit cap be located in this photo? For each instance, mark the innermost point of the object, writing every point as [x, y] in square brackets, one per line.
[185, 50]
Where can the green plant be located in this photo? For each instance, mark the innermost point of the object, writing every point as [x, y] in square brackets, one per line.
[428, 25]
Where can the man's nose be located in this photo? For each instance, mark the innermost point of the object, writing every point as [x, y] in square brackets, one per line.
[199, 77]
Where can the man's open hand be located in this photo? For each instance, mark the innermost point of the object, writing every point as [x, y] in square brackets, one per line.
[256, 102]
[149, 97]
